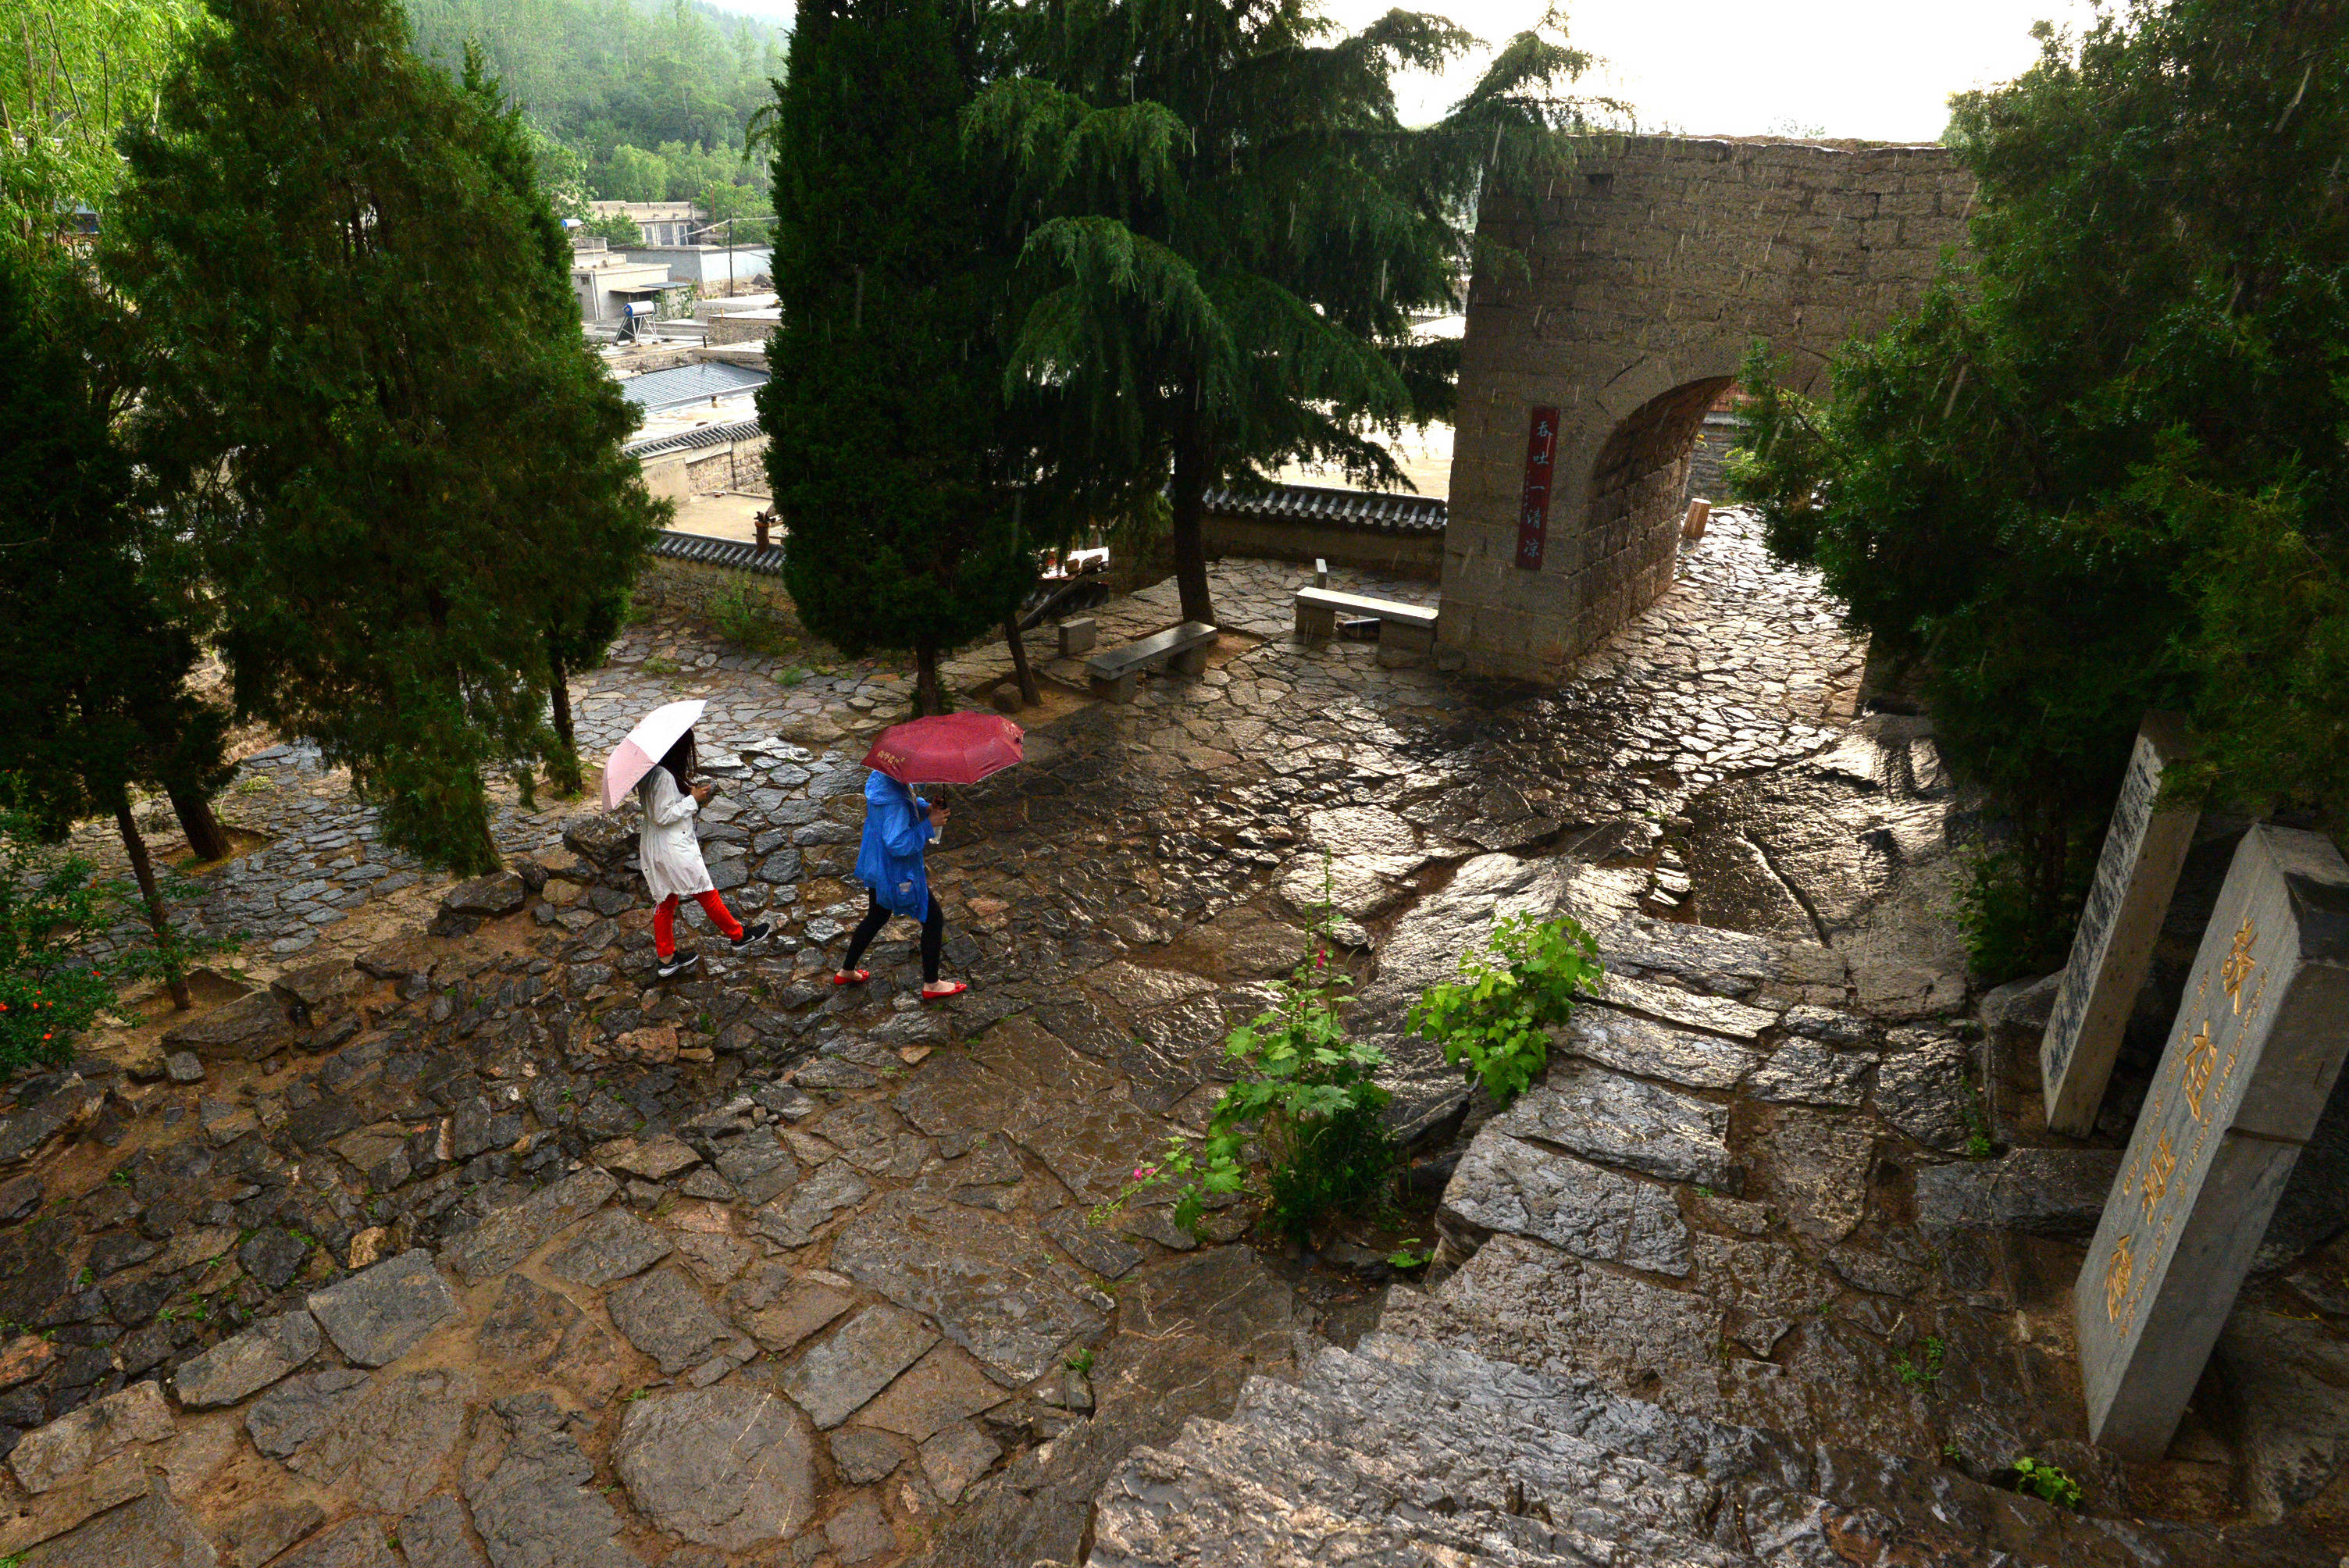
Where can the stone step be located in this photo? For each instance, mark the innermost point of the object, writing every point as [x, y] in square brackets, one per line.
[1301, 1476]
[1780, 1500]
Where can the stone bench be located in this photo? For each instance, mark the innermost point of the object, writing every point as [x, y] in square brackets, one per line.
[1116, 672]
[1406, 632]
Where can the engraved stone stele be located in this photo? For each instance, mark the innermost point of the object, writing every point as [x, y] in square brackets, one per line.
[2136, 874]
[2251, 1058]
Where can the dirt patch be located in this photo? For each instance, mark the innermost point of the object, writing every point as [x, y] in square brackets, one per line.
[1059, 700]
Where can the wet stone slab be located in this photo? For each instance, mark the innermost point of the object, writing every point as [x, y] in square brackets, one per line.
[663, 1314]
[612, 1245]
[238, 1368]
[994, 1289]
[1924, 1091]
[1606, 1117]
[838, 1376]
[511, 1235]
[1803, 1073]
[1505, 1184]
[379, 1314]
[795, 1219]
[727, 1467]
[530, 1488]
[1645, 1048]
[1689, 1009]
[384, 1447]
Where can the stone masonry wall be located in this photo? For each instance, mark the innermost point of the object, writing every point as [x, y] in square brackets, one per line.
[1708, 460]
[1645, 273]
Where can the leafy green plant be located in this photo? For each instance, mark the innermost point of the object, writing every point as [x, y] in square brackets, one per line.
[2044, 1481]
[1923, 1369]
[2007, 935]
[1495, 1019]
[1304, 1108]
[1404, 1259]
[655, 664]
[744, 616]
[47, 995]
[1978, 1143]
[1081, 1363]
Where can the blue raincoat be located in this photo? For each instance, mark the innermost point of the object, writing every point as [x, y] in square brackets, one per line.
[896, 828]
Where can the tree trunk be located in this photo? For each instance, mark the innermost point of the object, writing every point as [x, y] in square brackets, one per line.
[562, 767]
[207, 839]
[1188, 499]
[929, 696]
[157, 917]
[1030, 693]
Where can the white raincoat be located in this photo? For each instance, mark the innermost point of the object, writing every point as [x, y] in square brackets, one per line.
[669, 852]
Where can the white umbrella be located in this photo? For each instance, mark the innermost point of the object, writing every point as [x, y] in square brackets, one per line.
[646, 745]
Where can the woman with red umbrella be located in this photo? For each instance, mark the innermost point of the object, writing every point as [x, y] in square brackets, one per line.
[900, 826]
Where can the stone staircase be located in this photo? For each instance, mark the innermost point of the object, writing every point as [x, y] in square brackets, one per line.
[1406, 1453]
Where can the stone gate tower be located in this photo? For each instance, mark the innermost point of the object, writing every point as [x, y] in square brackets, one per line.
[1635, 286]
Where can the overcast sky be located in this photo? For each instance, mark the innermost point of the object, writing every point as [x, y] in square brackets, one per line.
[1883, 69]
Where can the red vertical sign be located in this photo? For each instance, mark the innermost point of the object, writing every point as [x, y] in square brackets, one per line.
[1533, 509]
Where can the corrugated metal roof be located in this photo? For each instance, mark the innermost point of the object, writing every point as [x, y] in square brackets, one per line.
[658, 389]
[687, 441]
[738, 553]
[1374, 512]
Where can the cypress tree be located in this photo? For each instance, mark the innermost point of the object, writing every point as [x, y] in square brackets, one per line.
[403, 462]
[97, 702]
[1225, 231]
[889, 453]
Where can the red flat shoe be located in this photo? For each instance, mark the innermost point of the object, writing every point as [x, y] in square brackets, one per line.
[852, 977]
[957, 989]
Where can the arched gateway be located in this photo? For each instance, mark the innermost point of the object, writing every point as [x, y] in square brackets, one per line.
[1594, 348]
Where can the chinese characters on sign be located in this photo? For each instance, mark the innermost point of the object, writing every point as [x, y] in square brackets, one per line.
[2136, 872]
[2252, 1059]
[1533, 506]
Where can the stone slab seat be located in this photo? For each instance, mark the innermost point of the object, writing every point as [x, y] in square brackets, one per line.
[1116, 672]
[1406, 632]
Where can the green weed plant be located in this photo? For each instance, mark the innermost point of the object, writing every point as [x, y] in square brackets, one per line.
[2047, 1482]
[1495, 1019]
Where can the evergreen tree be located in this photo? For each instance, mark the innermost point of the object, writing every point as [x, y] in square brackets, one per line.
[97, 703]
[1226, 230]
[2103, 468]
[889, 449]
[403, 462]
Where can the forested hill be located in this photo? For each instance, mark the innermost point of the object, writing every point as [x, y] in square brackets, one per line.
[650, 99]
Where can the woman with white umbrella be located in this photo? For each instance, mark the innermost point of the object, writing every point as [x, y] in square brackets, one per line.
[668, 848]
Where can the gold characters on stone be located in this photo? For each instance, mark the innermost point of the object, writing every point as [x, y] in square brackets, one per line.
[2116, 1278]
[2201, 1055]
[2239, 963]
[2158, 1167]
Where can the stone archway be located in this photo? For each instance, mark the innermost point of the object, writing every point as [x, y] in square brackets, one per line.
[1628, 295]
[1631, 502]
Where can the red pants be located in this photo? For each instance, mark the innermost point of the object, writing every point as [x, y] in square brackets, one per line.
[664, 921]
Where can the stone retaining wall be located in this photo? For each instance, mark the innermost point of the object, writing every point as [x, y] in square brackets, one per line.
[1401, 554]
[1633, 290]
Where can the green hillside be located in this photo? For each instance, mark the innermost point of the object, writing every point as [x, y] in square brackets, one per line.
[641, 102]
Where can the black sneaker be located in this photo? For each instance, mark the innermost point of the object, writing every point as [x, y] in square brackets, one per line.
[757, 931]
[673, 967]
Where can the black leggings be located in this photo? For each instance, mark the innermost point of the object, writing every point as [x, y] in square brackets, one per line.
[933, 935]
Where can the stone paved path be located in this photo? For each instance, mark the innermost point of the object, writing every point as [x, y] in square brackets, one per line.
[486, 1245]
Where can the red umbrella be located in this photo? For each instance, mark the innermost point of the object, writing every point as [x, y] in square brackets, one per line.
[946, 748]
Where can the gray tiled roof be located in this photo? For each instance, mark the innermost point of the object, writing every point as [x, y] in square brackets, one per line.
[1375, 512]
[674, 388]
[739, 553]
[687, 440]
